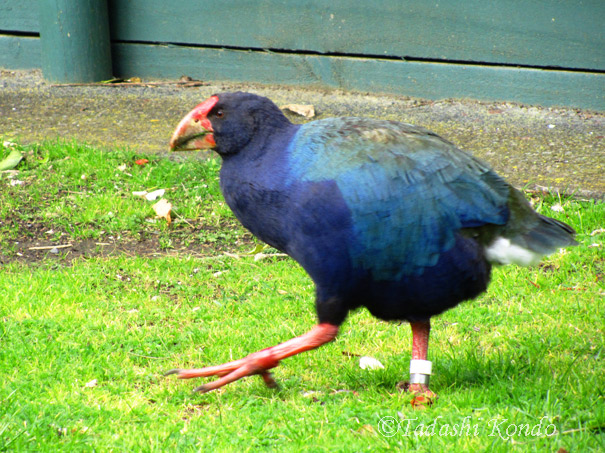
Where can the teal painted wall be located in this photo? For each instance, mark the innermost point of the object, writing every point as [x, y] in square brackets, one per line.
[520, 32]
[535, 52]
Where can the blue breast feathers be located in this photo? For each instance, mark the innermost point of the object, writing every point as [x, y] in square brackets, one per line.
[409, 191]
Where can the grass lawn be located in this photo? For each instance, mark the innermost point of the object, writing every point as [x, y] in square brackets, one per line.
[98, 298]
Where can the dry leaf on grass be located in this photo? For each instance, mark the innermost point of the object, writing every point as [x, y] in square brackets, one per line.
[150, 196]
[306, 110]
[162, 209]
[11, 161]
[369, 363]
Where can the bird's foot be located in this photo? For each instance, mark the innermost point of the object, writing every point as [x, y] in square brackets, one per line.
[423, 396]
[257, 363]
[422, 389]
[260, 362]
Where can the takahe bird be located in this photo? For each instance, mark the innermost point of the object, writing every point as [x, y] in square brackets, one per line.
[381, 214]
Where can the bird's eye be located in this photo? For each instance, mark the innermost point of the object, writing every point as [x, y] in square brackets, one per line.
[219, 113]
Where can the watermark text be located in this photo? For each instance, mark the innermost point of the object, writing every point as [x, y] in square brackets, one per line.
[503, 428]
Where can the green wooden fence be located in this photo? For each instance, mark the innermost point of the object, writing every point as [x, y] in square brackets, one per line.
[536, 52]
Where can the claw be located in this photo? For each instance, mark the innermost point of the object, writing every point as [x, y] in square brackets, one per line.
[269, 381]
[257, 363]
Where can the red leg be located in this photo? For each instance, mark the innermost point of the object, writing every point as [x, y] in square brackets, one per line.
[420, 346]
[261, 361]
[420, 339]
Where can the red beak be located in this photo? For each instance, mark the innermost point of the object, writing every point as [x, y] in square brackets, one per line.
[195, 130]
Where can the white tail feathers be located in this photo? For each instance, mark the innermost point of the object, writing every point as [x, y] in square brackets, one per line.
[503, 251]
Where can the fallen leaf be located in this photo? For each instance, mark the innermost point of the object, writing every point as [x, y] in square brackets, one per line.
[366, 429]
[306, 110]
[162, 209]
[11, 161]
[258, 249]
[151, 196]
[141, 161]
[369, 363]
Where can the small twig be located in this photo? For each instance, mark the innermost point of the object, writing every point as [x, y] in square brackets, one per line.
[49, 247]
[182, 219]
[189, 84]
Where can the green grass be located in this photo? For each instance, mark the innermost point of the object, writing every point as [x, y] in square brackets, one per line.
[87, 193]
[84, 342]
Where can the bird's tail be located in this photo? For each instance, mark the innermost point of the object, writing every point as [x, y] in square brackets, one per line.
[542, 237]
[549, 235]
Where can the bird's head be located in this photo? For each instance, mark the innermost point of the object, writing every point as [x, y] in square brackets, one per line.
[226, 122]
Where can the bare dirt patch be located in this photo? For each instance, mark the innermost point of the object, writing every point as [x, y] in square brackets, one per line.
[44, 242]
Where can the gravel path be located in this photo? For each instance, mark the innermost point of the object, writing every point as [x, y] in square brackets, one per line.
[557, 148]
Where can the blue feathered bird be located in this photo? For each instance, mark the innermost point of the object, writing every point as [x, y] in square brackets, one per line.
[381, 214]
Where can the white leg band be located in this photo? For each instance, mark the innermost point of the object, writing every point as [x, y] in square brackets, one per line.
[420, 371]
[421, 367]
[417, 378]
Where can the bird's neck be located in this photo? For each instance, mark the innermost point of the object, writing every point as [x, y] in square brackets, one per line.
[272, 142]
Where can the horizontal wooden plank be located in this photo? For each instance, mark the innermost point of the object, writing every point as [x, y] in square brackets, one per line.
[536, 33]
[424, 80]
[19, 15]
[518, 32]
[17, 52]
